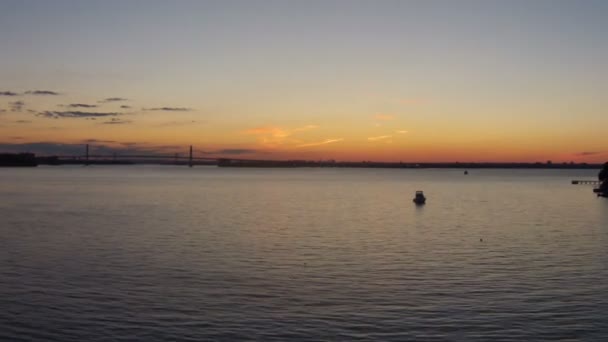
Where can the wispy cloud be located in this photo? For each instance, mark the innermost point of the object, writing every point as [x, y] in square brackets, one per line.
[382, 137]
[319, 143]
[16, 106]
[23, 121]
[273, 137]
[57, 148]
[42, 92]
[268, 130]
[305, 128]
[116, 121]
[8, 93]
[234, 151]
[176, 123]
[76, 114]
[278, 131]
[97, 141]
[113, 99]
[169, 109]
[169, 148]
[42, 148]
[81, 105]
[401, 132]
[125, 107]
[590, 153]
[384, 117]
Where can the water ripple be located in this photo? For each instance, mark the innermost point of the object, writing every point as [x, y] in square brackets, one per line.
[167, 254]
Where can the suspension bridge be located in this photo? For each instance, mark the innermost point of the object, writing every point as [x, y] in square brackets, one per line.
[88, 158]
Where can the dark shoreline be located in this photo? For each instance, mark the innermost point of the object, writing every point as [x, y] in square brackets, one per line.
[401, 165]
[315, 164]
[29, 159]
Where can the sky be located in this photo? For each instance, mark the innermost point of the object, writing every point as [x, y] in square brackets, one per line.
[411, 81]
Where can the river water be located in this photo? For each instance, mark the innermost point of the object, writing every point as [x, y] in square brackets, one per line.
[168, 253]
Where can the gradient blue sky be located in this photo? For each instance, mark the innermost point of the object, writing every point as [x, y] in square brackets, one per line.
[375, 80]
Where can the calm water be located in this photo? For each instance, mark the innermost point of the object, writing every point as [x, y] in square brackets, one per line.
[155, 253]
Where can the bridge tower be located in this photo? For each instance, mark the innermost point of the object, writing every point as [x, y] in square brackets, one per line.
[190, 157]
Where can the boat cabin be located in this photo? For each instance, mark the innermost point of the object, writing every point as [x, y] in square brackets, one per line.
[419, 198]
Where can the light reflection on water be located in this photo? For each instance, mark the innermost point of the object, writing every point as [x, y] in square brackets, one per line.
[169, 253]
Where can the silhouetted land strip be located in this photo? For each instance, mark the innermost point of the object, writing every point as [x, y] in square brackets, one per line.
[125, 160]
[29, 159]
[18, 159]
[223, 162]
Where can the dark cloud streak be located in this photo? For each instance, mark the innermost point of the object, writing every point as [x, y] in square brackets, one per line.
[590, 153]
[76, 114]
[48, 148]
[55, 148]
[113, 99]
[42, 92]
[115, 121]
[81, 105]
[95, 141]
[176, 123]
[8, 93]
[16, 106]
[234, 151]
[169, 109]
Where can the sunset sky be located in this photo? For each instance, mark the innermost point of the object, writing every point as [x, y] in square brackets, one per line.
[345, 80]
